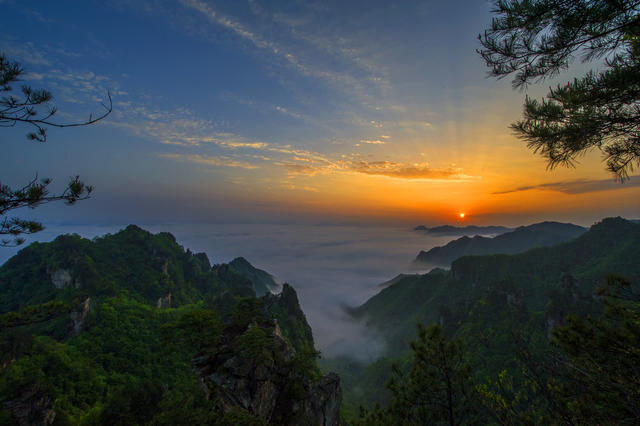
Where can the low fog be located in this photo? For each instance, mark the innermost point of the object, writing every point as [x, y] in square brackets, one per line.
[330, 266]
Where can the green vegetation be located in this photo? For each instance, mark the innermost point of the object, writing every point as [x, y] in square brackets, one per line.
[132, 329]
[532, 287]
[33, 108]
[546, 336]
[151, 309]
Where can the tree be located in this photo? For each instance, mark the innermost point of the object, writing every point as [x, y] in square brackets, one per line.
[32, 107]
[536, 39]
[602, 358]
[590, 375]
[437, 388]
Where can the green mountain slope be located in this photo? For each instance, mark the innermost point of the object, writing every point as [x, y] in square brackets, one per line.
[529, 279]
[494, 304]
[110, 331]
[519, 240]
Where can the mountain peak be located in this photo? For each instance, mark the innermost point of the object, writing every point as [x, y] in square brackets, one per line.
[262, 282]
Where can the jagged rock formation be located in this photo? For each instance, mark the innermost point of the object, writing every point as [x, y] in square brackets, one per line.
[257, 370]
[285, 308]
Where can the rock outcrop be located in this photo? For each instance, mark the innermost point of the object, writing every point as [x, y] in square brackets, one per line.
[164, 302]
[61, 278]
[258, 371]
[78, 316]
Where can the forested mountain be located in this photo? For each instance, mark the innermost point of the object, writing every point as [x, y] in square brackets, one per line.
[529, 279]
[509, 318]
[132, 329]
[516, 241]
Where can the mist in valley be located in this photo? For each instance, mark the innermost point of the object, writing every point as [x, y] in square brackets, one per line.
[332, 267]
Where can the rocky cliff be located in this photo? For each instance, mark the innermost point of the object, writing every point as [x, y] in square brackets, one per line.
[256, 370]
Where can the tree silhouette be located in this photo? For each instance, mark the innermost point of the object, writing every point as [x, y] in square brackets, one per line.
[33, 107]
[536, 39]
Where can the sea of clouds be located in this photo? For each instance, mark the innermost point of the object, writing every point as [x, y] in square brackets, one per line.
[330, 266]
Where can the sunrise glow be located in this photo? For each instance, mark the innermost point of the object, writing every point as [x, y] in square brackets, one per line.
[263, 138]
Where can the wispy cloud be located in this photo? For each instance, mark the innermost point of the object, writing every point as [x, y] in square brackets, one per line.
[235, 144]
[390, 169]
[208, 160]
[249, 154]
[179, 127]
[230, 24]
[24, 52]
[300, 169]
[579, 186]
[405, 171]
[298, 58]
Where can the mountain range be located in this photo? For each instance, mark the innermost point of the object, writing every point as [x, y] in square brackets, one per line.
[521, 239]
[529, 278]
[486, 301]
[131, 328]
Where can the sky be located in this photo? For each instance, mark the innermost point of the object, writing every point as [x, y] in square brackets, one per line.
[286, 111]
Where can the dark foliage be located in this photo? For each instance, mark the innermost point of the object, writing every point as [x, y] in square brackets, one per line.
[536, 39]
[32, 107]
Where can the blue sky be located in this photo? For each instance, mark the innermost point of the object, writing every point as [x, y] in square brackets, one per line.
[267, 110]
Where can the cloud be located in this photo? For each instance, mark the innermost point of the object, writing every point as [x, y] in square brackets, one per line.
[182, 128]
[404, 171]
[234, 26]
[301, 169]
[375, 168]
[303, 60]
[579, 186]
[235, 144]
[24, 52]
[209, 160]
[265, 106]
[292, 114]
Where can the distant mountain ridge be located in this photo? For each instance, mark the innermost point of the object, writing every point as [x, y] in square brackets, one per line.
[463, 230]
[521, 239]
[496, 305]
[524, 279]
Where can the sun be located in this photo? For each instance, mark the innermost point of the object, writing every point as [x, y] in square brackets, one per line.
[461, 215]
